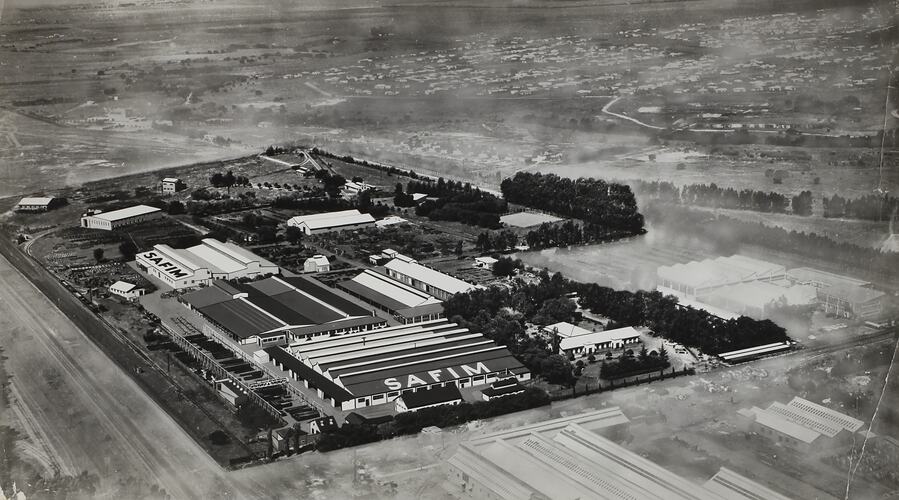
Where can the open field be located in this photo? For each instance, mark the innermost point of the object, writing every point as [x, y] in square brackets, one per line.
[472, 92]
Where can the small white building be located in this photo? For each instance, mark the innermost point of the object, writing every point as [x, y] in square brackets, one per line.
[331, 221]
[390, 220]
[419, 197]
[34, 204]
[115, 219]
[170, 185]
[352, 188]
[595, 341]
[484, 262]
[316, 264]
[128, 290]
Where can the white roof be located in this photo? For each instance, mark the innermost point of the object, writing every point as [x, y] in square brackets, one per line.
[720, 271]
[418, 196]
[320, 260]
[430, 276]
[728, 484]
[565, 329]
[170, 179]
[409, 296]
[332, 219]
[485, 260]
[390, 220]
[592, 338]
[215, 260]
[784, 425]
[122, 286]
[35, 200]
[126, 213]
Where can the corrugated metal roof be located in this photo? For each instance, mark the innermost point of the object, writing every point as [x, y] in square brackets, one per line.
[599, 337]
[35, 200]
[125, 213]
[432, 277]
[332, 219]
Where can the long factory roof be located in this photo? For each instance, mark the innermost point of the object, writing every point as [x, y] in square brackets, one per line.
[720, 271]
[567, 458]
[386, 291]
[125, 213]
[433, 277]
[273, 304]
[360, 362]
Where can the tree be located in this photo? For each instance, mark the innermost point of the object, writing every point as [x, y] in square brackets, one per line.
[557, 370]
[458, 250]
[98, 255]
[506, 266]
[293, 234]
[175, 208]
[128, 249]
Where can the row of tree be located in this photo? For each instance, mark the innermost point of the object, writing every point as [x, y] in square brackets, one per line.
[454, 201]
[630, 365]
[869, 207]
[609, 207]
[714, 196]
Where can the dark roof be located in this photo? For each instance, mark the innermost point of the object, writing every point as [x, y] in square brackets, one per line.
[206, 296]
[372, 295]
[491, 392]
[276, 308]
[312, 311]
[331, 390]
[320, 292]
[417, 354]
[432, 396]
[357, 419]
[240, 318]
[373, 382]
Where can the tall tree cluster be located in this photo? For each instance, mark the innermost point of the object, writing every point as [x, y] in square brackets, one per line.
[604, 207]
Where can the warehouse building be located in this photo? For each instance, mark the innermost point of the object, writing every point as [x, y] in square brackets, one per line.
[430, 281]
[37, 204]
[699, 278]
[757, 299]
[842, 296]
[331, 221]
[571, 457]
[115, 219]
[276, 310]
[376, 367]
[405, 303]
[200, 264]
[801, 425]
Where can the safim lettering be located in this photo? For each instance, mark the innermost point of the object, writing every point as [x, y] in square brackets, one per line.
[168, 267]
[441, 375]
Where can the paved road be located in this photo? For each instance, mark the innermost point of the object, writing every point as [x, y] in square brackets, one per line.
[95, 417]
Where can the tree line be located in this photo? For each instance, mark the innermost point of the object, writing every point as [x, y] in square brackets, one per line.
[714, 196]
[874, 207]
[605, 208]
[453, 201]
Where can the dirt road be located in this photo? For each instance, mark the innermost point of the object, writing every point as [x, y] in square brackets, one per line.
[100, 420]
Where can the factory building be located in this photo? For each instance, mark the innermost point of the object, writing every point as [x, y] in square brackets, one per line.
[699, 278]
[37, 204]
[574, 457]
[405, 303]
[430, 281]
[200, 264]
[376, 367]
[276, 310]
[331, 221]
[115, 219]
[801, 425]
[841, 295]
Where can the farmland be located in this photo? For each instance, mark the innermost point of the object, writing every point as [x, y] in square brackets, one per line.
[437, 86]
